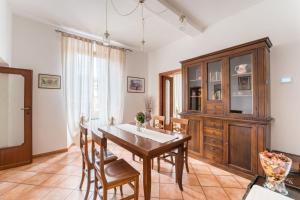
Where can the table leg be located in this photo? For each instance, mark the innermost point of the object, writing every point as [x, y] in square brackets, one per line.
[179, 166]
[147, 177]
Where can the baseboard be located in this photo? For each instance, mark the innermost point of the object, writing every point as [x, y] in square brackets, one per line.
[51, 152]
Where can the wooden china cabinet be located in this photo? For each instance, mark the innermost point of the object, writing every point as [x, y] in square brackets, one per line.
[226, 96]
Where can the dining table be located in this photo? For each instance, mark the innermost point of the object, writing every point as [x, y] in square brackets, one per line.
[148, 143]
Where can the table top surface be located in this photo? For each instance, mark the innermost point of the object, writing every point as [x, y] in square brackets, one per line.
[140, 144]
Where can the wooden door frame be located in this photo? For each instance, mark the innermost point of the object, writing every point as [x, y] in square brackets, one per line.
[161, 75]
[22, 154]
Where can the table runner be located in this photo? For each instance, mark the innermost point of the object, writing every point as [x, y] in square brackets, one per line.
[147, 133]
[259, 193]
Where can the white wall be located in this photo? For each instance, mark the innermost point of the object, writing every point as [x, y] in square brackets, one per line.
[136, 66]
[280, 20]
[5, 32]
[36, 46]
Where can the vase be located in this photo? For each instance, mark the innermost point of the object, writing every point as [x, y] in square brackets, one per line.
[148, 115]
[139, 126]
[276, 171]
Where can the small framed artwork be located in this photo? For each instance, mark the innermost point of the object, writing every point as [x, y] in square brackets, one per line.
[244, 82]
[47, 81]
[135, 85]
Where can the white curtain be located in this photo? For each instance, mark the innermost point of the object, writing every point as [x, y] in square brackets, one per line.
[177, 81]
[93, 83]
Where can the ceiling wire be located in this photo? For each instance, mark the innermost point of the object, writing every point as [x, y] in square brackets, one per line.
[124, 14]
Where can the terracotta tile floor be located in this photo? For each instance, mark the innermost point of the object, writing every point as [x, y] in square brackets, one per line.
[57, 177]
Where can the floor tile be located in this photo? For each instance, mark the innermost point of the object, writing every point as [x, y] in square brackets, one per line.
[215, 193]
[58, 194]
[193, 192]
[208, 180]
[37, 179]
[218, 171]
[243, 181]
[54, 180]
[169, 191]
[6, 187]
[167, 177]
[71, 182]
[201, 169]
[235, 193]
[228, 181]
[16, 176]
[190, 179]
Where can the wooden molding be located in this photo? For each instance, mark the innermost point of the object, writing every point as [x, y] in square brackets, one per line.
[52, 152]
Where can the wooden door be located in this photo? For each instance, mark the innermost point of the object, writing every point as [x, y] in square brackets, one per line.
[16, 117]
[242, 147]
[168, 100]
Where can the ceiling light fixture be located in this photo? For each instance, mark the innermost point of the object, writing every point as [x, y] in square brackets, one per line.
[106, 35]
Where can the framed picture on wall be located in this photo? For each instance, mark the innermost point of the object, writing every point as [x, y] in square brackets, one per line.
[135, 85]
[47, 81]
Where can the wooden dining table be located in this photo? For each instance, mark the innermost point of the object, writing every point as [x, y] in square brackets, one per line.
[148, 149]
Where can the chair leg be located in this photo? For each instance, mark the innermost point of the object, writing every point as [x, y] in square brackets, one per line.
[136, 188]
[121, 190]
[133, 157]
[104, 194]
[115, 190]
[172, 160]
[158, 164]
[88, 185]
[82, 174]
[95, 188]
[186, 161]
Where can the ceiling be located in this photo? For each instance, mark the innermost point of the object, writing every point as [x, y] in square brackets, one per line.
[89, 16]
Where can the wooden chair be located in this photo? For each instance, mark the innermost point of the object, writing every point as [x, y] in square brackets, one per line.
[158, 122]
[114, 174]
[178, 126]
[87, 165]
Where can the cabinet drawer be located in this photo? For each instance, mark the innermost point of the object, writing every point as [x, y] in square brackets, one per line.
[213, 149]
[213, 156]
[214, 123]
[213, 132]
[213, 141]
[215, 108]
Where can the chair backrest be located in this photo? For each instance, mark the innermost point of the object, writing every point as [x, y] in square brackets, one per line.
[98, 151]
[158, 122]
[180, 125]
[84, 147]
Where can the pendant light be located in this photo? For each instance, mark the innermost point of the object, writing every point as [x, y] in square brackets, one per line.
[143, 42]
[106, 35]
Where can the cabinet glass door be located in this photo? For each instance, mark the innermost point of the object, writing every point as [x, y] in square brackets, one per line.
[195, 88]
[214, 81]
[241, 84]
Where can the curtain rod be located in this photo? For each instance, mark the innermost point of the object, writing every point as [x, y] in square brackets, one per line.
[90, 40]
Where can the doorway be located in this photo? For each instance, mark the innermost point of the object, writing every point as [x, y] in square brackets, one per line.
[15, 117]
[170, 84]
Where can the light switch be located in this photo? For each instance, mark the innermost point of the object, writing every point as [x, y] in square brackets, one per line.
[286, 79]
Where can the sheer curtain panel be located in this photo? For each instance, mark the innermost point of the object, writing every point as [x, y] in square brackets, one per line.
[93, 83]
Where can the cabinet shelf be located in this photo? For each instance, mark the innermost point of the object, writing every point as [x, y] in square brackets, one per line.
[195, 80]
[195, 96]
[241, 75]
